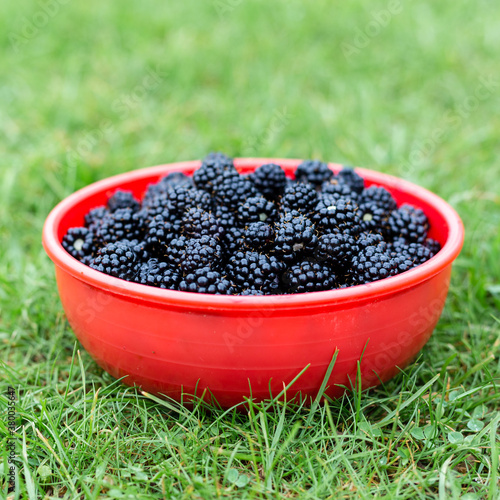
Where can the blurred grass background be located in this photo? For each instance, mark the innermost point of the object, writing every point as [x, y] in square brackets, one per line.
[91, 89]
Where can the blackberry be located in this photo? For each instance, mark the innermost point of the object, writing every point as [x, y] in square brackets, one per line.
[160, 231]
[336, 249]
[252, 270]
[154, 193]
[176, 179]
[415, 252]
[233, 239]
[157, 273]
[198, 222]
[409, 223]
[372, 216]
[348, 176]
[309, 276]
[212, 167]
[94, 218]
[117, 259]
[338, 189]
[313, 171]
[257, 209]
[205, 280]
[295, 236]
[181, 198]
[433, 245]
[337, 215]
[301, 197]
[123, 199]
[365, 239]
[251, 291]
[259, 236]
[231, 190]
[401, 263]
[226, 217]
[79, 242]
[175, 250]
[373, 263]
[121, 224]
[203, 252]
[217, 156]
[270, 180]
[380, 196]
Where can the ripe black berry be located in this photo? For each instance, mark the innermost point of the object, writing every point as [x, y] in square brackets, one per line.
[78, 241]
[301, 197]
[309, 276]
[123, 199]
[295, 236]
[252, 270]
[270, 180]
[313, 171]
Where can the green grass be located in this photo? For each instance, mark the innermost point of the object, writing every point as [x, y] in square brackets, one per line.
[105, 87]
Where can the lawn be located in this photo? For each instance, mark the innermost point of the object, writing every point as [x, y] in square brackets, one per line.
[91, 89]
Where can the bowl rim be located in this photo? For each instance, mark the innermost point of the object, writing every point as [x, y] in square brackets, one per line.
[395, 284]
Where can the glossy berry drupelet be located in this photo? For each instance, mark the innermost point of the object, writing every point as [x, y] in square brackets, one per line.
[314, 172]
[299, 196]
[79, 242]
[270, 180]
[295, 235]
[309, 276]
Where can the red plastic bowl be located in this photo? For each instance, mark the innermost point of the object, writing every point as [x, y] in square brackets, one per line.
[171, 342]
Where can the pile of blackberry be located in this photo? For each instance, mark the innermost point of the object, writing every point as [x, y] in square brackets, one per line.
[222, 232]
